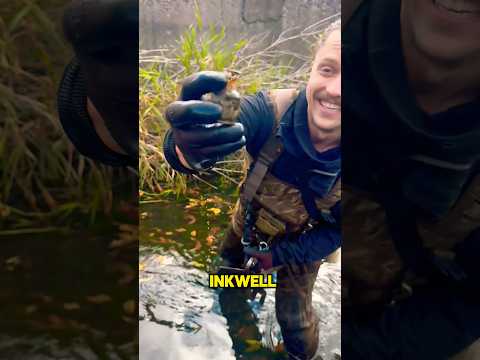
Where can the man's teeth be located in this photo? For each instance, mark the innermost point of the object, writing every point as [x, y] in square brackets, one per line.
[458, 6]
[330, 106]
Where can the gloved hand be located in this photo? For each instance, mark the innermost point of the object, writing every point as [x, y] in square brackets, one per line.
[195, 125]
[264, 257]
[104, 35]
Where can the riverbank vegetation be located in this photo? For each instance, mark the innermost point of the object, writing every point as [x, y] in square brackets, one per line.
[209, 47]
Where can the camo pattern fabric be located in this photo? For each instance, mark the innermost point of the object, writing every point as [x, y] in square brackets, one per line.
[294, 310]
[371, 266]
[285, 202]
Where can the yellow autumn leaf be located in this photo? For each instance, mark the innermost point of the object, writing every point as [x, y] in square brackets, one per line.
[168, 233]
[180, 230]
[15, 260]
[71, 306]
[31, 309]
[215, 211]
[193, 233]
[197, 265]
[252, 345]
[98, 299]
[141, 266]
[210, 240]
[145, 279]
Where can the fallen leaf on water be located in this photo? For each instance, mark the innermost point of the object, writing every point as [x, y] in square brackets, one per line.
[198, 246]
[71, 306]
[122, 242]
[163, 240]
[12, 263]
[190, 219]
[129, 307]
[15, 260]
[30, 309]
[215, 230]
[77, 325]
[193, 203]
[145, 279]
[210, 240]
[45, 298]
[128, 320]
[252, 345]
[197, 265]
[98, 299]
[56, 321]
[215, 211]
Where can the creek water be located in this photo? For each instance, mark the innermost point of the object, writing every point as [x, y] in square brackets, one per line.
[182, 318]
[67, 296]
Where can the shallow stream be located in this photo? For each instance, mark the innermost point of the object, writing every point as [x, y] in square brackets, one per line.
[181, 317]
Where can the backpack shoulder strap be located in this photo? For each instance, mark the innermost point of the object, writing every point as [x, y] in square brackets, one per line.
[280, 102]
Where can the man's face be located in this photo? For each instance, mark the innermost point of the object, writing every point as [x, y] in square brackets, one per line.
[443, 30]
[324, 88]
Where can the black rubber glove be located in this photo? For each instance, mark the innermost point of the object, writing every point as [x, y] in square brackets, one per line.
[104, 35]
[195, 124]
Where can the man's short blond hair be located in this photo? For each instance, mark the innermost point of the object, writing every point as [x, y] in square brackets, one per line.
[334, 26]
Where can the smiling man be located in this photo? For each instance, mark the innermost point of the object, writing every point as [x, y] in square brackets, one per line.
[288, 213]
[411, 128]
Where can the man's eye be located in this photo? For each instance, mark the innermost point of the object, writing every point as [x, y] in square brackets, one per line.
[326, 70]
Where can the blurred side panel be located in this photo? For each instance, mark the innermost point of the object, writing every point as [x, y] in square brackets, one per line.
[68, 216]
[410, 132]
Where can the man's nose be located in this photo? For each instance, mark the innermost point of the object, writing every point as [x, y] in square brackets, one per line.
[334, 87]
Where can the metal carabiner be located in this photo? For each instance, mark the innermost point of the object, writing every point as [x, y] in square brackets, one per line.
[263, 246]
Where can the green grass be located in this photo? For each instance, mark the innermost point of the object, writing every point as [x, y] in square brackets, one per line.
[42, 178]
[207, 48]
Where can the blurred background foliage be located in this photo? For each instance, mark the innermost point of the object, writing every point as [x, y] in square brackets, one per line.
[43, 180]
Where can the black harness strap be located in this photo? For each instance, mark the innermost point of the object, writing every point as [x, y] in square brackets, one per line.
[268, 154]
[270, 151]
